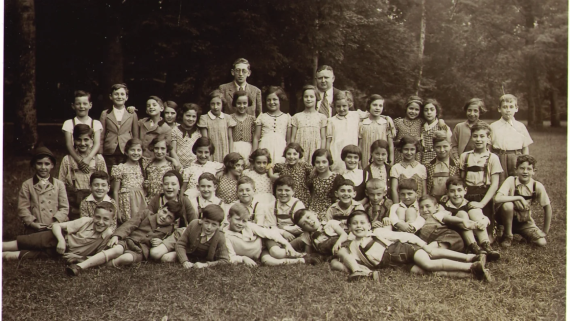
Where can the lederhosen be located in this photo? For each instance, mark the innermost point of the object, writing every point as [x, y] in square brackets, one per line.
[477, 193]
[75, 195]
[199, 208]
[325, 247]
[525, 216]
[434, 231]
[397, 254]
[284, 219]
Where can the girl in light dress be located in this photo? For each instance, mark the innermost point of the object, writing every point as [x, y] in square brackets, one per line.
[218, 126]
[308, 128]
[259, 160]
[185, 135]
[203, 148]
[245, 125]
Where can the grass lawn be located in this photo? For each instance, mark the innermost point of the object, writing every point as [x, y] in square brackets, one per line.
[530, 283]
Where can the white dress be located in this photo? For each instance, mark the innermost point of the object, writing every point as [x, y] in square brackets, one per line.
[274, 134]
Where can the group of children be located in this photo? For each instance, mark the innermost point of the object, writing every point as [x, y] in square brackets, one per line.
[358, 190]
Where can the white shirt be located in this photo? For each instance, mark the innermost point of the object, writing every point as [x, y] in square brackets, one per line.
[68, 124]
[119, 113]
[213, 117]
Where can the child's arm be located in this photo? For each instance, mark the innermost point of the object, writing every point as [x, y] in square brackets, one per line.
[174, 151]
[95, 149]
[292, 135]
[256, 137]
[342, 237]
[424, 185]
[394, 190]
[231, 138]
[62, 204]
[462, 223]
[390, 150]
[103, 120]
[502, 198]
[547, 218]
[324, 137]
[489, 195]
[454, 143]
[70, 148]
[204, 132]
[135, 126]
[61, 245]
[222, 256]
[180, 248]
[288, 135]
[116, 188]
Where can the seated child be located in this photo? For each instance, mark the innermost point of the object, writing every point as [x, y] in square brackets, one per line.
[435, 231]
[339, 211]
[244, 241]
[324, 238]
[207, 185]
[459, 207]
[203, 244]
[99, 184]
[378, 205]
[514, 199]
[171, 182]
[131, 242]
[404, 216]
[280, 213]
[351, 156]
[245, 193]
[383, 248]
[83, 237]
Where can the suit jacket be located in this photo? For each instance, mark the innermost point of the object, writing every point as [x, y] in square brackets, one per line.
[253, 93]
[43, 205]
[143, 228]
[331, 103]
[113, 134]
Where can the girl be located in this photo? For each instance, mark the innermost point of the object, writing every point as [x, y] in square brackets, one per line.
[322, 185]
[299, 171]
[431, 111]
[218, 126]
[185, 135]
[157, 166]
[153, 125]
[378, 167]
[170, 112]
[461, 139]
[273, 128]
[308, 128]
[259, 160]
[203, 148]
[245, 125]
[408, 168]
[233, 167]
[410, 125]
[128, 183]
[376, 127]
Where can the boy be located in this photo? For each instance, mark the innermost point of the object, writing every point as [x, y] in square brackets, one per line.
[246, 193]
[515, 197]
[441, 167]
[207, 186]
[118, 127]
[404, 216]
[510, 137]
[459, 207]
[99, 184]
[435, 230]
[203, 241]
[240, 71]
[131, 241]
[378, 205]
[83, 237]
[339, 211]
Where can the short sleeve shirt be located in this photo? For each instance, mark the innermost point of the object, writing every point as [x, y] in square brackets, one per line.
[409, 171]
[512, 183]
[68, 125]
[509, 136]
[477, 178]
[81, 234]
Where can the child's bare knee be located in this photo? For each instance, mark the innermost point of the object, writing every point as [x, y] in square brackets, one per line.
[462, 214]
[508, 207]
[277, 252]
[417, 270]
[169, 258]
[411, 214]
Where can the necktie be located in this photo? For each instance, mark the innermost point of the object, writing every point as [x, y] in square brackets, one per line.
[324, 109]
[241, 88]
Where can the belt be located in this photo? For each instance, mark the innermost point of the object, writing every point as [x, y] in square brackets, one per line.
[503, 152]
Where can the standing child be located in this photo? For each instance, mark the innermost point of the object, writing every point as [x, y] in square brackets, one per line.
[376, 127]
[118, 127]
[99, 184]
[218, 126]
[378, 166]
[322, 185]
[351, 156]
[170, 112]
[152, 126]
[186, 134]
[441, 167]
[461, 137]
[245, 125]
[157, 166]
[432, 113]
[81, 105]
[410, 125]
[408, 167]
[339, 211]
[203, 148]
[233, 167]
[273, 128]
[510, 137]
[378, 206]
[298, 170]
[259, 161]
[71, 173]
[308, 128]
[128, 182]
[42, 200]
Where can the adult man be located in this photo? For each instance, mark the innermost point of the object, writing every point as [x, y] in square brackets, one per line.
[241, 70]
[325, 80]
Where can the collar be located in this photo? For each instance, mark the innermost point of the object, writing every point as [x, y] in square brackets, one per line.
[412, 164]
[237, 86]
[89, 120]
[205, 238]
[119, 111]
[213, 117]
[91, 198]
[379, 121]
[470, 125]
[528, 185]
[37, 179]
[328, 93]
[341, 117]
[433, 125]
[336, 205]
[451, 205]
[507, 122]
[162, 199]
[213, 200]
[288, 204]
[414, 205]
[446, 162]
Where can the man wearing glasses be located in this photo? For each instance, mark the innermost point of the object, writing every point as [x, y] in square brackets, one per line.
[241, 70]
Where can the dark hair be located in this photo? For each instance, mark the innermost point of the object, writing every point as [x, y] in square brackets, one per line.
[526, 158]
[160, 138]
[477, 102]
[435, 103]
[157, 99]
[372, 99]
[284, 180]
[98, 175]
[407, 139]
[213, 212]
[245, 180]
[341, 95]
[314, 89]
[241, 61]
[131, 142]
[175, 208]
[342, 182]
[438, 137]
[208, 176]
[480, 125]
[299, 215]
[185, 108]
[296, 147]
[116, 87]
[325, 67]
[322, 152]
[217, 94]
[107, 206]
[82, 129]
[414, 100]
[260, 152]
[350, 149]
[455, 180]
[355, 214]
[171, 104]
[82, 93]
[241, 93]
[428, 197]
[230, 161]
[278, 91]
[203, 142]
[378, 144]
[408, 183]
[173, 173]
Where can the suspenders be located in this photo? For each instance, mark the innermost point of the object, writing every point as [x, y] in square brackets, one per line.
[252, 219]
[484, 169]
[284, 216]
[73, 122]
[200, 208]
[532, 197]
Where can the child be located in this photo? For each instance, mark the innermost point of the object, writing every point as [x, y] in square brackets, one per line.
[378, 166]
[376, 127]
[435, 231]
[233, 167]
[128, 181]
[131, 242]
[244, 241]
[383, 248]
[322, 184]
[408, 167]
[510, 137]
[431, 111]
[308, 128]
[207, 186]
[118, 127]
[441, 167]
[203, 242]
[378, 205]
[99, 184]
[71, 172]
[203, 148]
[296, 169]
[84, 236]
[273, 128]
[241, 70]
[323, 238]
[157, 166]
[459, 207]
[218, 126]
[410, 125]
[404, 215]
[515, 197]
[461, 137]
[42, 200]
[153, 126]
[185, 135]
[171, 182]
[339, 211]
[340, 129]
[245, 193]
[81, 105]
[245, 125]
[259, 161]
[351, 156]
[480, 169]
[170, 111]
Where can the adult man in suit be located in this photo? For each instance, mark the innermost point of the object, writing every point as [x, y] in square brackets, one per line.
[325, 81]
[241, 70]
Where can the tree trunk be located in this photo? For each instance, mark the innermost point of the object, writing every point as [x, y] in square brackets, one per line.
[421, 49]
[554, 111]
[26, 127]
[113, 62]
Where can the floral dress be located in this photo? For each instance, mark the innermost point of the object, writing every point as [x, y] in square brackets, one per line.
[184, 143]
[308, 134]
[370, 131]
[227, 189]
[154, 174]
[274, 134]
[131, 196]
[218, 132]
[300, 173]
[405, 127]
[322, 195]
